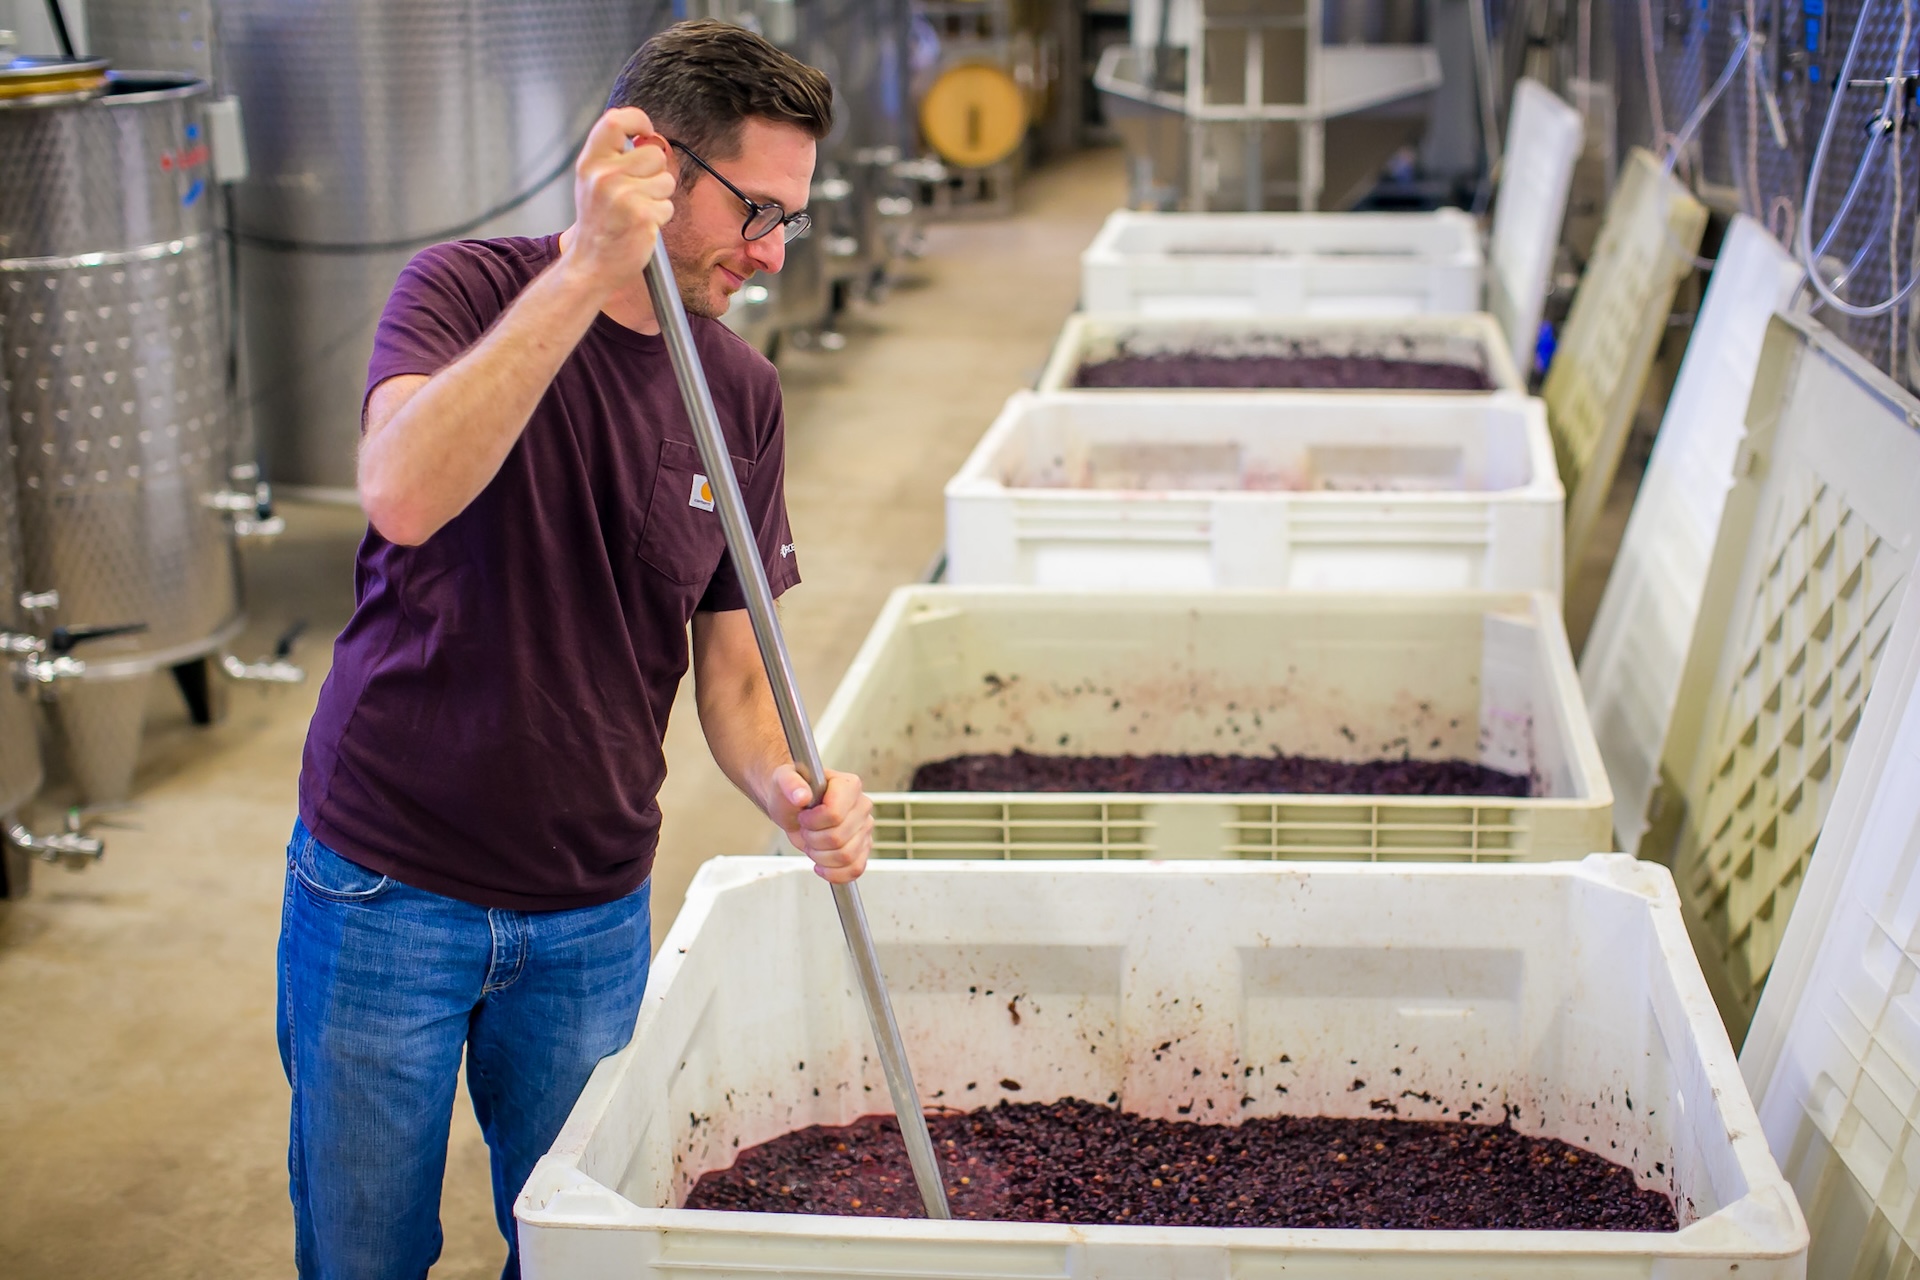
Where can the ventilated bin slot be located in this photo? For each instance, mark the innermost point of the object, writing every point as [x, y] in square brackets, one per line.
[980, 828]
[1374, 832]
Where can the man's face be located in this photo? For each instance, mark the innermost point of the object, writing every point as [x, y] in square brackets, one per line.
[710, 259]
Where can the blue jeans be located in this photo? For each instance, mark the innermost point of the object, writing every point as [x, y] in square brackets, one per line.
[381, 987]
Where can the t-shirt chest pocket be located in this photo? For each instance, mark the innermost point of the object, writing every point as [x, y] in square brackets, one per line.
[682, 537]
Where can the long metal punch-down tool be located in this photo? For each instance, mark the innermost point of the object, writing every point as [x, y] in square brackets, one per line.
[672, 316]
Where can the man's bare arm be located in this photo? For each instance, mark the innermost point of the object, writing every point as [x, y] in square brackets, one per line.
[742, 725]
[433, 443]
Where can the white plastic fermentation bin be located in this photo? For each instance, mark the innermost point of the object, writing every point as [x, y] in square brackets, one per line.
[1833, 1058]
[1606, 347]
[1819, 539]
[1471, 340]
[1316, 264]
[1631, 663]
[1566, 992]
[1328, 264]
[1544, 137]
[1166, 489]
[1467, 675]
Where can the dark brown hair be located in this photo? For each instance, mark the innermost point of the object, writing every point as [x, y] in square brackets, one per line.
[700, 81]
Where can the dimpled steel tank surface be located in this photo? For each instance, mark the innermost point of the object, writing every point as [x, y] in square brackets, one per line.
[113, 345]
[375, 129]
[20, 766]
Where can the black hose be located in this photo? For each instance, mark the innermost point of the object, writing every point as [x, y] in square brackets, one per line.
[59, 20]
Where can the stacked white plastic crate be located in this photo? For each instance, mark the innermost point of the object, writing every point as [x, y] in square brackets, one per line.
[1358, 264]
[1381, 490]
[1384, 492]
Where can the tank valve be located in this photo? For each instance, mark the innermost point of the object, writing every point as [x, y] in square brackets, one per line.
[274, 670]
[926, 169]
[252, 512]
[45, 661]
[831, 190]
[71, 848]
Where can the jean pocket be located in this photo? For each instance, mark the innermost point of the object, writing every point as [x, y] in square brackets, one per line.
[327, 875]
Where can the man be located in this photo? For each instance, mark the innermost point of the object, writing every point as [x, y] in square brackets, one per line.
[477, 800]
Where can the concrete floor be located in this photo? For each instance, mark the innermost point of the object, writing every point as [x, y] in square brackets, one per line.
[142, 1107]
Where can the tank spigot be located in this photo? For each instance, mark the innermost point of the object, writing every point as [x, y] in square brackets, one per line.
[24, 644]
[72, 848]
[924, 169]
[50, 660]
[251, 512]
[275, 670]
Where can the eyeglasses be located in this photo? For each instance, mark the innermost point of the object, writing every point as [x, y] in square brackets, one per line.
[761, 218]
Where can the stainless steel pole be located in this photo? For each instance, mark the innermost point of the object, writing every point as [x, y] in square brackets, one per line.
[672, 315]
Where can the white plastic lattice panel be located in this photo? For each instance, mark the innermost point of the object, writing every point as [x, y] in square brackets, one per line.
[1647, 242]
[1830, 472]
[1834, 1055]
[1544, 136]
[1630, 668]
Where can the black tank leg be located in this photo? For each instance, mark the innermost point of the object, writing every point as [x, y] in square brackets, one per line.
[195, 679]
[16, 871]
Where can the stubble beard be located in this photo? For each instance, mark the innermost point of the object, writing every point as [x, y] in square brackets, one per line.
[694, 278]
[698, 301]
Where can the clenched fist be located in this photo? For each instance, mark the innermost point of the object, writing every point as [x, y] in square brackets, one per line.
[837, 833]
[622, 197]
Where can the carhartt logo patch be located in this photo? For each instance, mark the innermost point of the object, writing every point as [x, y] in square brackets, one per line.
[702, 495]
[786, 550]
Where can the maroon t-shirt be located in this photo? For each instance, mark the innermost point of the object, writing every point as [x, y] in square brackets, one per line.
[491, 729]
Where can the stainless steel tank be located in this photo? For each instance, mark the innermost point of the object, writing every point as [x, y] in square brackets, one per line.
[112, 344]
[797, 304]
[375, 129]
[20, 768]
[180, 35]
[862, 210]
[868, 211]
[21, 772]
[22, 656]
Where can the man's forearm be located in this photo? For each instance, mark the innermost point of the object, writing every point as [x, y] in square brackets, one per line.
[423, 465]
[742, 727]
[831, 823]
